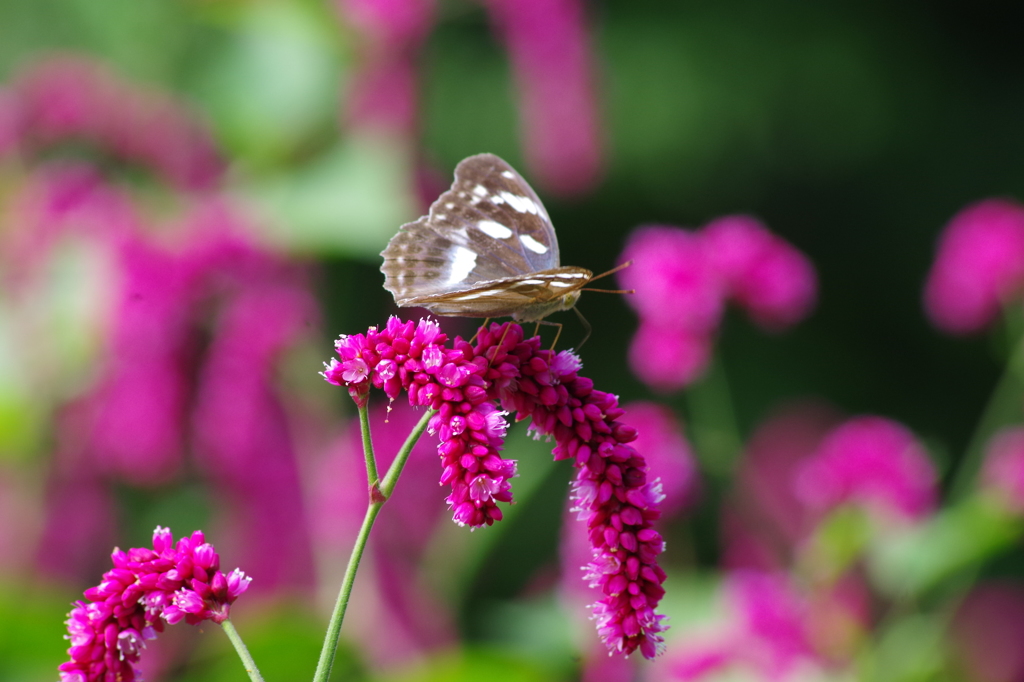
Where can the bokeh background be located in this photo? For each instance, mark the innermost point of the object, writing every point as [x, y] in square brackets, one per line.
[193, 195]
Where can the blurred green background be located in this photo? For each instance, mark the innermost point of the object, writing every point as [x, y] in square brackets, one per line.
[855, 130]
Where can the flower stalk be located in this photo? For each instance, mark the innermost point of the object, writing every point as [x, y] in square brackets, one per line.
[242, 650]
[379, 494]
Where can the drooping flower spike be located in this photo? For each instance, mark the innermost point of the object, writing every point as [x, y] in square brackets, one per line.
[171, 582]
[472, 387]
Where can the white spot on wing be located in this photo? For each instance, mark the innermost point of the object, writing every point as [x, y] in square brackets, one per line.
[560, 284]
[520, 203]
[463, 262]
[494, 230]
[507, 174]
[532, 244]
[449, 205]
[480, 191]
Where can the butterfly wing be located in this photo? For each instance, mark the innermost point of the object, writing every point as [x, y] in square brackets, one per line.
[490, 226]
[526, 298]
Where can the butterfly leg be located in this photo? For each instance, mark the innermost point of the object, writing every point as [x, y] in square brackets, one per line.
[586, 325]
[482, 326]
[494, 350]
[550, 324]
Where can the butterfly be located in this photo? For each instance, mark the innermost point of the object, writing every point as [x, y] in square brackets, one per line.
[487, 248]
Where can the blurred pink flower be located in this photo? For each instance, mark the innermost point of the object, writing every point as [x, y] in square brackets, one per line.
[242, 432]
[979, 266]
[765, 519]
[62, 199]
[677, 286]
[683, 279]
[1002, 474]
[870, 461]
[141, 403]
[382, 95]
[550, 56]
[80, 518]
[775, 630]
[393, 24]
[763, 273]
[383, 90]
[73, 98]
[667, 359]
[986, 633]
[767, 632]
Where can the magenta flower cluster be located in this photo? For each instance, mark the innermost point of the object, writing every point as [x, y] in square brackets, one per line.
[171, 582]
[470, 386]
[683, 279]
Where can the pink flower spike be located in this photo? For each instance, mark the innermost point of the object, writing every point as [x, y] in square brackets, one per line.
[979, 266]
[134, 600]
[612, 491]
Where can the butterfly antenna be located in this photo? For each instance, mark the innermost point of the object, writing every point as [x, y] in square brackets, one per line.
[586, 325]
[621, 266]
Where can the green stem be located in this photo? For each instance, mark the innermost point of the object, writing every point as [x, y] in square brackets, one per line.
[371, 461]
[326, 663]
[378, 496]
[1003, 408]
[243, 652]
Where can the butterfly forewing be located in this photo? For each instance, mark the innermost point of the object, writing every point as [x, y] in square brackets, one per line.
[486, 248]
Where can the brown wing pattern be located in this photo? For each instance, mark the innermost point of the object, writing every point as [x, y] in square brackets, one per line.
[489, 227]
